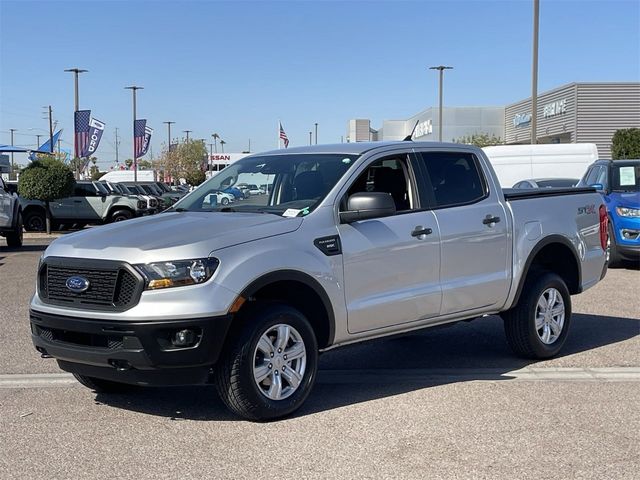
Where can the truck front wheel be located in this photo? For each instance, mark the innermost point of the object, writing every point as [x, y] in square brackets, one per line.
[121, 215]
[538, 325]
[270, 364]
[14, 239]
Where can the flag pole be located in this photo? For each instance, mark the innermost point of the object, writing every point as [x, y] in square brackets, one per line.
[279, 140]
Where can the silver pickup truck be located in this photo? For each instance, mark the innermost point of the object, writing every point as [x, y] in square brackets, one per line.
[353, 242]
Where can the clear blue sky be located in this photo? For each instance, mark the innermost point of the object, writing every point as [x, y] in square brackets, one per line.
[235, 68]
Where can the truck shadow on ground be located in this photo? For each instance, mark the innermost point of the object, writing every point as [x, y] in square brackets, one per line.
[383, 368]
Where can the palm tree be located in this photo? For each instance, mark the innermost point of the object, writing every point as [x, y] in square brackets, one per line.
[222, 142]
[215, 143]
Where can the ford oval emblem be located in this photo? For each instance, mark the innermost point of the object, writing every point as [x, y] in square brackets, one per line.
[77, 284]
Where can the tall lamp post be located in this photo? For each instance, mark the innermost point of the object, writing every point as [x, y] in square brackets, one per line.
[76, 73]
[316, 124]
[187, 132]
[134, 89]
[441, 68]
[222, 143]
[534, 74]
[12, 165]
[169, 123]
[310, 137]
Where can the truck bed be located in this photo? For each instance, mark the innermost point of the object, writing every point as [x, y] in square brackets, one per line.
[521, 194]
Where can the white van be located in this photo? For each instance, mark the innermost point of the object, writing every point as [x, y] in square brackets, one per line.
[118, 176]
[514, 163]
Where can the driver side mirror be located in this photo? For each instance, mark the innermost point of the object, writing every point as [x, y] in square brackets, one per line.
[365, 205]
[598, 186]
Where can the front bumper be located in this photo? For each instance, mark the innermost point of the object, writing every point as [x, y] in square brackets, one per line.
[629, 252]
[130, 352]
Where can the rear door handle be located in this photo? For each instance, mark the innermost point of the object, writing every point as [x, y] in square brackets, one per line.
[418, 231]
[488, 220]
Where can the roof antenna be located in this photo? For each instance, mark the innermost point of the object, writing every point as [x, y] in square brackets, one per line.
[408, 137]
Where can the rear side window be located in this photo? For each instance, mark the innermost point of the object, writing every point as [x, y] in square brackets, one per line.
[84, 190]
[455, 178]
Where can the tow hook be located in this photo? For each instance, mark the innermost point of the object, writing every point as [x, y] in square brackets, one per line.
[120, 365]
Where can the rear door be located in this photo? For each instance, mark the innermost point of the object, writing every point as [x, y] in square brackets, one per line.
[80, 204]
[475, 268]
[390, 272]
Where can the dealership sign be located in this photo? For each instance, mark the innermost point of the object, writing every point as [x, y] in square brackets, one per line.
[521, 119]
[423, 128]
[554, 108]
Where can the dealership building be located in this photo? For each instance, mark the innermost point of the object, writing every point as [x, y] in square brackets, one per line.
[573, 113]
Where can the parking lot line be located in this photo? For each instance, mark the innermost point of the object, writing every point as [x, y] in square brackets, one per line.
[565, 374]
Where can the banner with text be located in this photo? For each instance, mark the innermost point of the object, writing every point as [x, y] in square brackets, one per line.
[96, 129]
[148, 131]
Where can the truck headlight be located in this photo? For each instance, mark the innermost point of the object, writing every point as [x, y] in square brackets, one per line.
[628, 212]
[177, 274]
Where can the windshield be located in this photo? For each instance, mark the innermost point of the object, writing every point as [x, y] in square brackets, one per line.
[101, 188]
[163, 187]
[295, 184]
[625, 178]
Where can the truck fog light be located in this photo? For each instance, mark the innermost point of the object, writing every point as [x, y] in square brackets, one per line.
[184, 338]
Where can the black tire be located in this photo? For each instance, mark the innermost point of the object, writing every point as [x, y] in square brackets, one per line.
[99, 385]
[14, 239]
[520, 321]
[614, 257]
[35, 221]
[233, 376]
[121, 215]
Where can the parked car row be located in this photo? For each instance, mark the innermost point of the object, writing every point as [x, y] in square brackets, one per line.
[97, 202]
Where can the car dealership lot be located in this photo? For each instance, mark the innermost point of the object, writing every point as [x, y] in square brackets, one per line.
[443, 403]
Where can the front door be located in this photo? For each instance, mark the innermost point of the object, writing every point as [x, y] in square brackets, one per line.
[390, 273]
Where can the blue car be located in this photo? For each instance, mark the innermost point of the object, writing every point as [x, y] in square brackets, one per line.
[236, 192]
[619, 183]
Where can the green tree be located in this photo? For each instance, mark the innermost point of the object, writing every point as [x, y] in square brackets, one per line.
[128, 162]
[46, 179]
[625, 144]
[480, 140]
[186, 161]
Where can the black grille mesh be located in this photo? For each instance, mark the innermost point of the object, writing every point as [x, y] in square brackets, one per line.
[109, 289]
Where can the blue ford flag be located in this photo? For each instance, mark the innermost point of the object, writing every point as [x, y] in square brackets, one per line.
[148, 131]
[96, 129]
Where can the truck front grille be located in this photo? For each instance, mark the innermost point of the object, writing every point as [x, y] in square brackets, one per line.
[112, 285]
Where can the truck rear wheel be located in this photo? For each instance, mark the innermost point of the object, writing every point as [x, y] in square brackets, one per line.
[99, 385]
[14, 239]
[538, 325]
[270, 364]
[35, 221]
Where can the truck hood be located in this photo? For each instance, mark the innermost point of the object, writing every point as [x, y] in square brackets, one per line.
[171, 236]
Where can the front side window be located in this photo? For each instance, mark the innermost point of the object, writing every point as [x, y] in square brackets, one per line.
[295, 184]
[455, 178]
[389, 175]
[84, 190]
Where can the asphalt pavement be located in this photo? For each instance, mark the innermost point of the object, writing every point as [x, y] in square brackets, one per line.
[448, 402]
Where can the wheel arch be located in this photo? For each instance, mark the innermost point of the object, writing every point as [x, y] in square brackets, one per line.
[557, 254]
[115, 208]
[301, 291]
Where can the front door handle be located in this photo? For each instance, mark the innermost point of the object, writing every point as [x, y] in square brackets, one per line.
[418, 231]
[489, 219]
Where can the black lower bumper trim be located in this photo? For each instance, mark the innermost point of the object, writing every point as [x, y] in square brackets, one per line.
[131, 352]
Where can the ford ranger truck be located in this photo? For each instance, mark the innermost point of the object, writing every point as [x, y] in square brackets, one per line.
[353, 242]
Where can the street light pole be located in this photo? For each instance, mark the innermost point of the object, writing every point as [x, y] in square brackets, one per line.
[76, 73]
[441, 68]
[169, 123]
[215, 141]
[12, 165]
[534, 74]
[316, 124]
[134, 89]
[38, 141]
[187, 132]
[310, 137]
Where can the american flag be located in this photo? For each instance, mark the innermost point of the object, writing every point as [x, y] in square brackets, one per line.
[138, 136]
[283, 137]
[82, 118]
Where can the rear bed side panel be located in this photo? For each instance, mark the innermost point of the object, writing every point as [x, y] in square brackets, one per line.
[571, 217]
